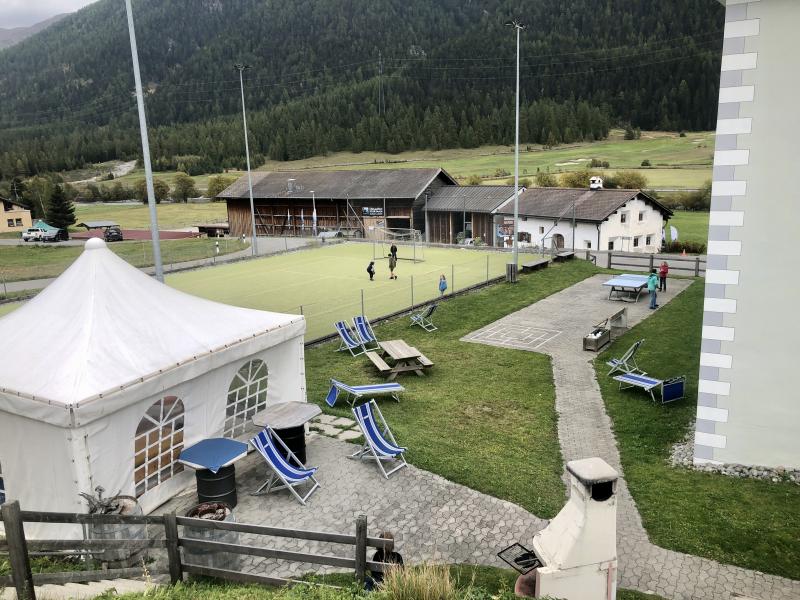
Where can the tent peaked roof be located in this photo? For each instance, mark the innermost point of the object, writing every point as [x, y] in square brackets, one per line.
[104, 326]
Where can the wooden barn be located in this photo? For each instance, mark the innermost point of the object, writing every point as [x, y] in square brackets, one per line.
[359, 203]
[469, 209]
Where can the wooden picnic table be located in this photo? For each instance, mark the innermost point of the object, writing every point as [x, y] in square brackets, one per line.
[406, 358]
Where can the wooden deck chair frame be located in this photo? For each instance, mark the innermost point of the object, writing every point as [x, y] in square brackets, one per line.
[627, 362]
[354, 342]
[363, 330]
[276, 476]
[424, 318]
[368, 451]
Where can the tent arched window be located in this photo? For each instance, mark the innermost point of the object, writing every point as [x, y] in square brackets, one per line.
[158, 443]
[247, 395]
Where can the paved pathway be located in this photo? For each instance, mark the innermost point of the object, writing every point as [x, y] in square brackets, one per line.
[555, 326]
[432, 518]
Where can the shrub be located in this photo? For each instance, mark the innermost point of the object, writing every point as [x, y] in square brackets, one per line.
[597, 164]
[474, 180]
[577, 179]
[501, 173]
[426, 582]
[646, 162]
[546, 179]
[678, 247]
[628, 180]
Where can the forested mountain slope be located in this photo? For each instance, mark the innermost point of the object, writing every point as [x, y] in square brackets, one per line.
[446, 75]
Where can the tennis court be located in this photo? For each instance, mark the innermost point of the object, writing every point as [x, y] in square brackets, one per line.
[326, 283]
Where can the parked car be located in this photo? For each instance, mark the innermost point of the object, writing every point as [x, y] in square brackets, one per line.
[112, 234]
[32, 234]
[54, 235]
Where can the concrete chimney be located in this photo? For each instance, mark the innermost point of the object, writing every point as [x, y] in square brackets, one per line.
[595, 183]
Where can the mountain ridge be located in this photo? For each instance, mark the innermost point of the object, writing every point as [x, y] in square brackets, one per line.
[9, 36]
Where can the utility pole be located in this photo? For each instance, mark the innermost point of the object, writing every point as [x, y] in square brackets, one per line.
[148, 170]
[381, 108]
[254, 249]
[516, 24]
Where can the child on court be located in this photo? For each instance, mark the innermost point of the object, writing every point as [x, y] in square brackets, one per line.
[663, 270]
[371, 270]
[442, 285]
[652, 286]
[392, 265]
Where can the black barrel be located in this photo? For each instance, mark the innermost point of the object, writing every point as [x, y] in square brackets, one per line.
[295, 440]
[217, 487]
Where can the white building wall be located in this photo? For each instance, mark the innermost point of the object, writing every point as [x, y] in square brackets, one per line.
[584, 232]
[631, 236]
[748, 412]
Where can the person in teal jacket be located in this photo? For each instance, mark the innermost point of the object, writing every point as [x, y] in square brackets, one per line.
[652, 287]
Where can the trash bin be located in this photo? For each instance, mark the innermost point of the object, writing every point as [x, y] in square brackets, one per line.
[214, 511]
[511, 273]
[217, 487]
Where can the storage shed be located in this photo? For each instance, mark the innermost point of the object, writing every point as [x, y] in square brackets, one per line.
[121, 373]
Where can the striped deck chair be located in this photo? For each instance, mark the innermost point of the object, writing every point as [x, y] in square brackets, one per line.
[350, 341]
[364, 331]
[627, 362]
[424, 318]
[282, 470]
[353, 393]
[380, 444]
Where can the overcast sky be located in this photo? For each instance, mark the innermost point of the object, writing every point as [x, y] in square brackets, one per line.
[21, 13]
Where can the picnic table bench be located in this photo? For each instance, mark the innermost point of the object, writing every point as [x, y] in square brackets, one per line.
[405, 358]
[562, 256]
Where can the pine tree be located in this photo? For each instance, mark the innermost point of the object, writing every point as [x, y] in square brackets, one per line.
[61, 211]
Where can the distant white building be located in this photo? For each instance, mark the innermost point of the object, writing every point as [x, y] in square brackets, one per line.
[621, 220]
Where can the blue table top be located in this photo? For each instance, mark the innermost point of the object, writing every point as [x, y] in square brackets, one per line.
[213, 454]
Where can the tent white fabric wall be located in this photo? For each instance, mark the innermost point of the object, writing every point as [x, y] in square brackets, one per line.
[120, 341]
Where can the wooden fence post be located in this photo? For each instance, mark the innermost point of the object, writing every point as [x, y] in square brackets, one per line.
[18, 551]
[651, 262]
[697, 266]
[173, 550]
[361, 548]
[609, 259]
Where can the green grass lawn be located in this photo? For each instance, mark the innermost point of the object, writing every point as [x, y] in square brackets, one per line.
[484, 416]
[692, 226]
[748, 523]
[328, 281]
[137, 216]
[42, 261]
[694, 153]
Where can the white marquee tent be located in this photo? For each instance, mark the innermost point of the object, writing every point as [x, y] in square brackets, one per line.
[107, 374]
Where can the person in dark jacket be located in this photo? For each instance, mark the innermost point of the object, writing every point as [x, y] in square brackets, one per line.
[392, 265]
[385, 555]
[393, 251]
[371, 270]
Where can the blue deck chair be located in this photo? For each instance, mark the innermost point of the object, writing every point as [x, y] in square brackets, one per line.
[671, 389]
[290, 475]
[364, 331]
[424, 318]
[379, 444]
[627, 362]
[350, 341]
[353, 393]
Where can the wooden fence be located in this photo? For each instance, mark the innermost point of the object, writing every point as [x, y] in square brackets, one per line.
[19, 549]
[639, 261]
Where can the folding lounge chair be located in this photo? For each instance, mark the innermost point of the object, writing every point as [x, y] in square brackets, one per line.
[380, 444]
[353, 393]
[627, 362]
[423, 319]
[282, 470]
[364, 331]
[671, 389]
[350, 341]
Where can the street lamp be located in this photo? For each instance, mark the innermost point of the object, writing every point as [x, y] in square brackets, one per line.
[314, 213]
[241, 67]
[518, 26]
[148, 169]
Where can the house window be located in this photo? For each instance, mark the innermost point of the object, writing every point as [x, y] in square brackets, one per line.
[247, 395]
[10, 222]
[611, 244]
[641, 216]
[588, 244]
[524, 236]
[158, 443]
[648, 240]
[636, 242]
[541, 230]
[18, 222]
[623, 217]
[2, 486]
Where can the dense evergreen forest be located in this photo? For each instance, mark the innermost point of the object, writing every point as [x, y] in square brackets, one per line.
[328, 75]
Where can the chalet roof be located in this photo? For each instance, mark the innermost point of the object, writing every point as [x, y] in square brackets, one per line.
[473, 198]
[14, 202]
[338, 185]
[590, 205]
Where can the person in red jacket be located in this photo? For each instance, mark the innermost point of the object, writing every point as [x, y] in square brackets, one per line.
[663, 270]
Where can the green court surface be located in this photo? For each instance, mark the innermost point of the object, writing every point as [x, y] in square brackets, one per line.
[326, 283]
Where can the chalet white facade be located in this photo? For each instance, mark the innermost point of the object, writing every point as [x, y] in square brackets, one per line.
[13, 217]
[620, 220]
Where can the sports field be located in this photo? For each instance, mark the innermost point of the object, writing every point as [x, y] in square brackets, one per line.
[328, 282]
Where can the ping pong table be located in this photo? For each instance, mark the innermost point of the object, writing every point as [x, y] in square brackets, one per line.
[627, 287]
